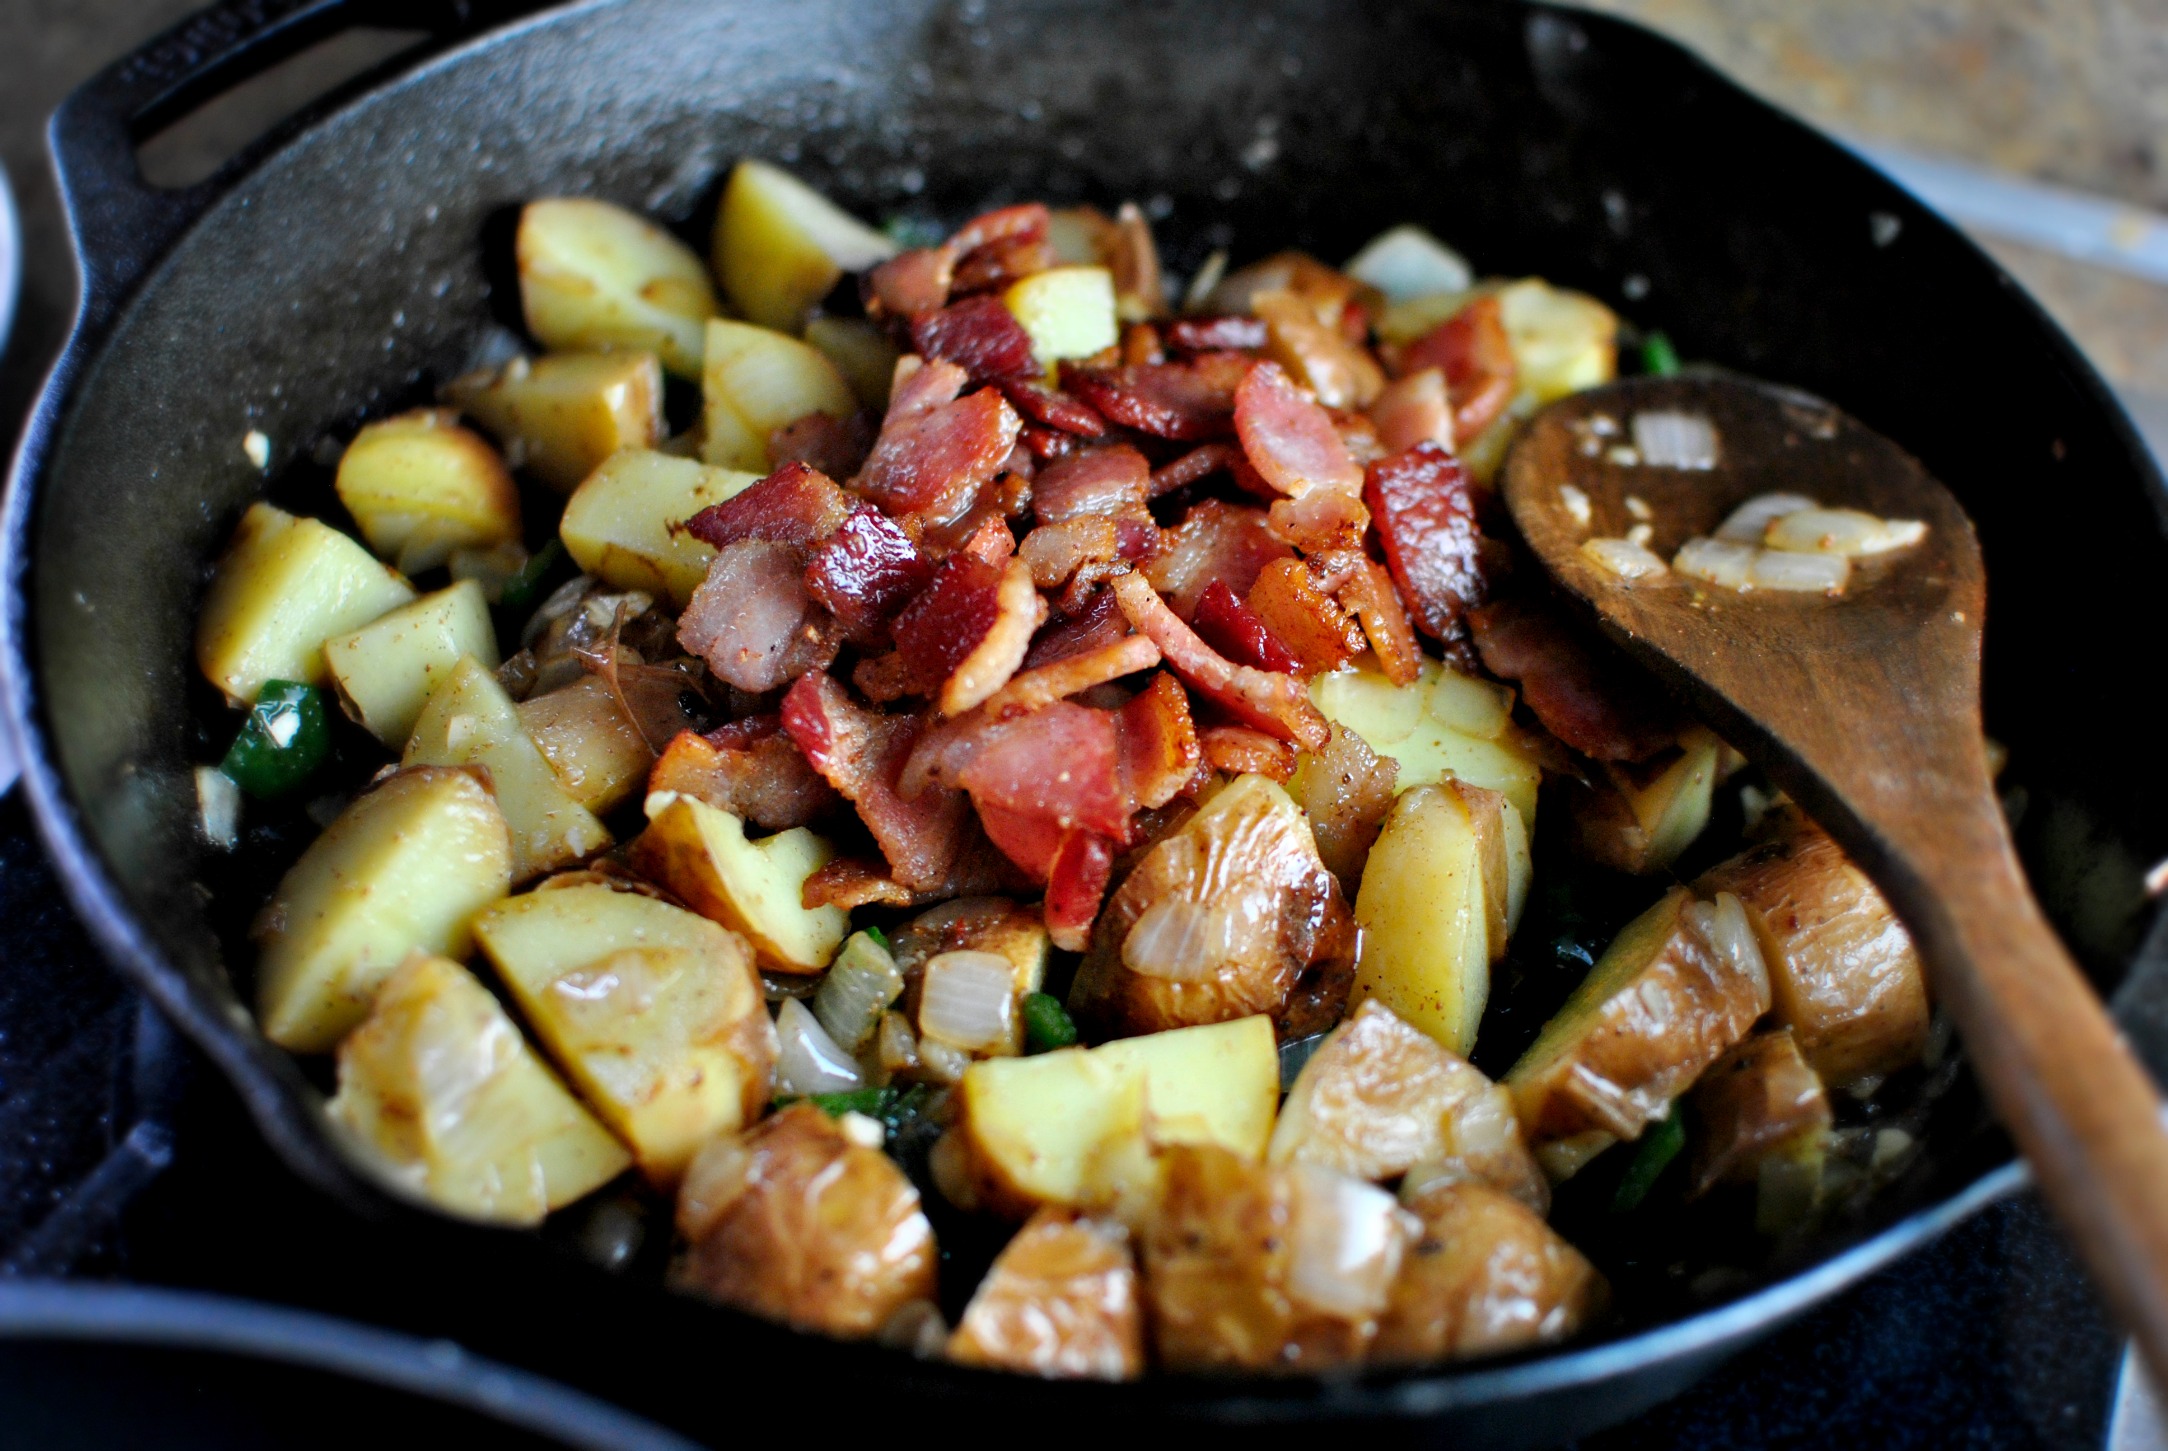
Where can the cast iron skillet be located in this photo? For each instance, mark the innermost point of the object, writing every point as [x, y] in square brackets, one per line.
[340, 269]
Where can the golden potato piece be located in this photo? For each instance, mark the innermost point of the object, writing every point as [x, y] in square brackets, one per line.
[1650, 812]
[593, 275]
[445, 1097]
[1379, 1098]
[1486, 1276]
[626, 523]
[597, 752]
[386, 670]
[780, 246]
[1425, 911]
[1759, 1097]
[1061, 1300]
[1068, 312]
[422, 488]
[793, 1220]
[1445, 725]
[861, 352]
[756, 887]
[560, 415]
[756, 381]
[1842, 968]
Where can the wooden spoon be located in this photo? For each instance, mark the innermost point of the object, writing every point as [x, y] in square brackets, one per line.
[1866, 709]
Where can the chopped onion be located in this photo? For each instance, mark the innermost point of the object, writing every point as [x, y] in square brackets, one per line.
[859, 986]
[862, 1130]
[218, 807]
[1724, 926]
[967, 1000]
[1718, 561]
[1669, 440]
[1577, 505]
[1408, 262]
[1641, 534]
[1639, 508]
[1850, 532]
[1624, 558]
[940, 1062]
[807, 1059]
[896, 1046]
[1178, 940]
[1345, 1240]
[1751, 520]
[1802, 573]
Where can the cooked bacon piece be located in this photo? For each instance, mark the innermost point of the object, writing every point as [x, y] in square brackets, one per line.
[1239, 751]
[1061, 764]
[1288, 438]
[1105, 483]
[885, 679]
[1200, 462]
[1231, 333]
[1026, 838]
[990, 541]
[1359, 436]
[1368, 591]
[910, 283]
[935, 455]
[1140, 291]
[1321, 520]
[1097, 622]
[1231, 627]
[1317, 353]
[1583, 690]
[948, 618]
[999, 263]
[1190, 400]
[1030, 690]
[797, 504]
[1346, 790]
[1412, 410]
[1053, 408]
[1425, 513]
[1159, 744]
[1262, 698]
[762, 778]
[979, 335]
[918, 387]
[997, 654]
[1076, 883]
[866, 571]
[752, 620]
[1048, 444]
[852, 882]
[835, 446]
[1025, 221]
[1055, 552]
[1296, 608]
[1327, 291]
[1140, 345]
[1472, 349]
[1215, 541]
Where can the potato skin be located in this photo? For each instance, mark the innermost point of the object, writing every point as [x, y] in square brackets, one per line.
[1485, 1277]
[1062, 1300]
[1756, 1097]
[793, 1221]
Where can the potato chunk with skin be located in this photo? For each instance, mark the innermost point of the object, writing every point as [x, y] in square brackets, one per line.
[386, 670]
[404, 868]
[1346, 791]
[792, 1220]
[597, 752]
[470, 721]
[1230, 914]
[751, 886]
[1379, 1098]
[1445, 724]
[625, 524]
[284, 586]
[593, 275]
[1061, 1300]
[1679, 984]
[449, 1101]
[420, 487]
[756, 381]
[1424, 910]
[1842, 969]
[780, 246]
[1759, 1097]
[560, 415]
[656, 1013]
[1649, 813]
[1486, 1276]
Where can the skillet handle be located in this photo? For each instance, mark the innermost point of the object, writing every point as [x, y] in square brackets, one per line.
[119, 223]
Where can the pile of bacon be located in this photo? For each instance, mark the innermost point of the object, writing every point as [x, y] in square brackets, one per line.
[991, 575]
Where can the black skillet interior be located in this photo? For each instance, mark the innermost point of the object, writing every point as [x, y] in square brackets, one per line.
[353, 268]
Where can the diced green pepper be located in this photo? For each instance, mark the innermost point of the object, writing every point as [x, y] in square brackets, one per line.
[1658, 358]
[880, 939]
[525, 590]
[284, 738]
[1047, 1024]
[872, 1102]
[1658, 1147]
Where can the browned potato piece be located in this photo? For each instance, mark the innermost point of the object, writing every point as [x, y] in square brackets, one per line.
[1257, 1267]
[1842, 968]
[1060, 1301]
[1647, 813]
[560, 415]
[1230, 914]
[1379, 1097]
[1759, 1096]
[1662, 1004]
[1346, 790]
[1485, 1277]
[597, 752]
[793, 1220]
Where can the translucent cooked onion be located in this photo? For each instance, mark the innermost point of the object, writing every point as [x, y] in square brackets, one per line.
[1849, 532]
[1625, 558]
[1773, 569]
[218, 807]
[1669, 440]
[1179, 940]
[968, 1000]
[807, 1060]
[859, 986]
[1725, 562]
[1577, 504]
[1751, 520]
[1723, 924]
[1345, 1240]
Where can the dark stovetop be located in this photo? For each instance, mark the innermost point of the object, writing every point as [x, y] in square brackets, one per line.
[125, 1160]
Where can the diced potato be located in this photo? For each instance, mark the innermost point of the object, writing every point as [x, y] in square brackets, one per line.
[284, 586]
[1679, 984]
[624, 524]
[560, 415]
[1068, 311]
[1255, 1267]
[656, 1013]
[470, 721]
[1650, 813]
[861, 352]
[1379, 1098]
[1074, 1127]
[1444, 724]
[780, 246]
[1841, 966]
[440, 1092]
[1562, 341]
[1061, 1300]
[420, 487]
[1754, 1101]
[756, 381]
[1486, 1276]
[596, 276]
[793, 1220]
[1424, 914]
[704, 857]
[598, 754]
[403, 869]
[386, 670]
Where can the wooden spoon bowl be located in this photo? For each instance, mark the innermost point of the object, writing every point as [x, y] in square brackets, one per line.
[1865, 708]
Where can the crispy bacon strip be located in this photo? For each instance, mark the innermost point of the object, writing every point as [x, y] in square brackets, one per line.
[1076, 883]
[1055, 552]
[852, 882]
[1061, 764]
[752, 621]
[1425, 513]
[1106, 483]
[979, 335]
[1230, 333]
[1231, 627]
[797, 504]
[1188, 400]
[1098, 622]
[910, 283]
[1030, 690]
[1238, 750]
[1368, 591]
[1200, 462]
[1054, 409]
[1412, 410]
[1584, 691]
[1288, 438]
[1333, 365]
[1271, 702]
[994, 658]
[1214, 541]
[937, 451]
[999, 263]
[762, 778]
[1159, 744]
[1472, 349]
[1321, 520]
[1298, 611]
[866, 571]
[835, 446]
